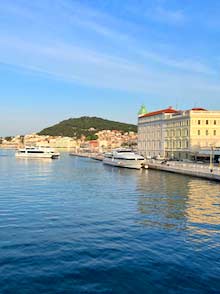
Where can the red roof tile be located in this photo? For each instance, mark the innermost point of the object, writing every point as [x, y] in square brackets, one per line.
[199, 109]
[167, 110]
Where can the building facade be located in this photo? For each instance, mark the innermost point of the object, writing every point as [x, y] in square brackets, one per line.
[178, 134]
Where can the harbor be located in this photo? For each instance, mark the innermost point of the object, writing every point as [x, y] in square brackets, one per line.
[110, 147]
[168, 140]
[67, 219]
[203, 171]
[95, 156]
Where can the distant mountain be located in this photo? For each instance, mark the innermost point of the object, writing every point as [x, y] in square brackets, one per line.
[87, 126]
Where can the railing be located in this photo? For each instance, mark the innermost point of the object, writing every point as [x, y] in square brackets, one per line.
[190, 166]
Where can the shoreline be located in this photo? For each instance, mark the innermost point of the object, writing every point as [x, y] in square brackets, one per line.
[189, 169]
[194, 170]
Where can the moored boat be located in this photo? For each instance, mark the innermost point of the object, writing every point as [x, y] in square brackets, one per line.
[37, 152]
[124, 158]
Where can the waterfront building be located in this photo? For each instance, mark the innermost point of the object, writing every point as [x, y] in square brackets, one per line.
[107, 140]
[178, 134]
[111, 139]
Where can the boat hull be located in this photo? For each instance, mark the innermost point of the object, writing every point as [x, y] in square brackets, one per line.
[125, 164]
[26, 155]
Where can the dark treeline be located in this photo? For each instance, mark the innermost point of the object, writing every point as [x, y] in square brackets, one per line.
[87, 126]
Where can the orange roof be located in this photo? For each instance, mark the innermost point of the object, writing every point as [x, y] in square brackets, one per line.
[167, 110]
[199, 109]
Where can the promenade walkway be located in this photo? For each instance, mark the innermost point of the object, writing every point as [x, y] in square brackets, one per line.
[192, 169]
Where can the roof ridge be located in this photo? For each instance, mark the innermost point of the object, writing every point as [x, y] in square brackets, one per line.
[157, 112]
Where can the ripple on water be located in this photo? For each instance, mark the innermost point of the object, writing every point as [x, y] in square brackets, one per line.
[76, 226]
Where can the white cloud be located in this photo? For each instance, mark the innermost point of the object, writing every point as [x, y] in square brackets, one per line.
[188, 65]
[169, 16]
[61, 58]
[92, 68]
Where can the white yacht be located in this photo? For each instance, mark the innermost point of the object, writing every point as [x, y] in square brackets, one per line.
[37, 152]
[125, 158]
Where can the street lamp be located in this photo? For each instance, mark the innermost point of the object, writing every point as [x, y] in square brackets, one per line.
[172, 155]
[211, 158]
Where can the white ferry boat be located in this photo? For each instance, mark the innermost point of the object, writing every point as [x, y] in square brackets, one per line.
[124, 158]
[37, 152]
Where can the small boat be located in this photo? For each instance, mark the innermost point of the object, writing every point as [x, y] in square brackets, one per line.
[37, 152]
[124, 158]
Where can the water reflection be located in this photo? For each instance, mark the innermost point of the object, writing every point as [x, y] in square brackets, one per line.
[203, 206]
[30, 161]
[67, 219]
[25, 171]
[174, 201]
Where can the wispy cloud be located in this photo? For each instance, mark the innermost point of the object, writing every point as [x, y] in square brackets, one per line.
[187, 65]
[60, 57]
[158, 11]
[149, 51]
[87, 67]
[166, 15]
[72, 63]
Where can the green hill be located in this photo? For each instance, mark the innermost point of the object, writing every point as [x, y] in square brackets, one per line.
[87, 126]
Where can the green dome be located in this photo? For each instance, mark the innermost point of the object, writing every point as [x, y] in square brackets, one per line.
[142, 110]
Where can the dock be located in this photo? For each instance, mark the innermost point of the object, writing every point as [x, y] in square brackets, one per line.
[94, 156]
[190, 169]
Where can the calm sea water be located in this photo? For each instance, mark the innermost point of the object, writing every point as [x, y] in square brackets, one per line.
[75, 226]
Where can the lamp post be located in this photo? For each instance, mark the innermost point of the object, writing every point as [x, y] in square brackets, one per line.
[211, 159]
[172, 155]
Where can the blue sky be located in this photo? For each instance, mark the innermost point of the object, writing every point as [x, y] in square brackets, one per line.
[67, 58]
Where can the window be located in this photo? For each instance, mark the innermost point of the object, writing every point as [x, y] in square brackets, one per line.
[214, 122]
[214, 132]
[199, 122]
[35, 151]
[199, 132]
[207, 122]
[206, 132]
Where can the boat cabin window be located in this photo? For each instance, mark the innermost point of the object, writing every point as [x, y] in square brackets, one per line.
[124, 151]
[35, 151]
[122, 158]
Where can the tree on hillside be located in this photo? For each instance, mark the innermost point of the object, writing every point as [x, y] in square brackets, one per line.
[8, 138]
[91, 137]
[86, 126]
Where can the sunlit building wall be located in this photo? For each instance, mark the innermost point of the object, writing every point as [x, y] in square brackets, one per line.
[178, 134]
